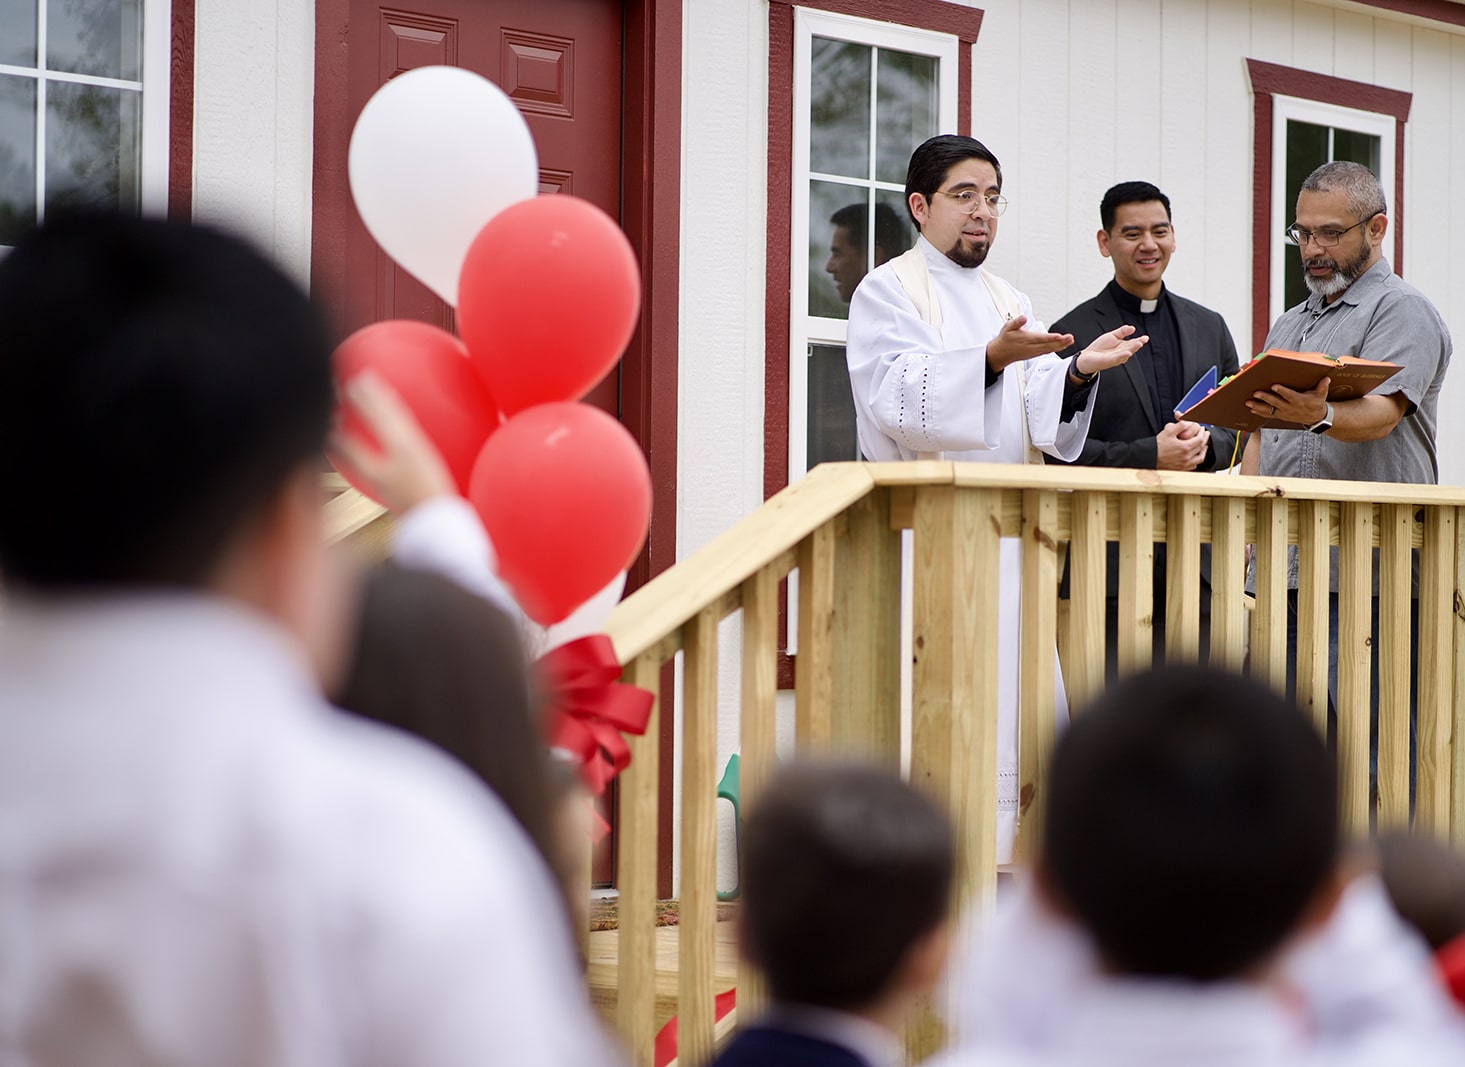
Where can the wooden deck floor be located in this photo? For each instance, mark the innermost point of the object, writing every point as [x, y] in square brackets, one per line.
[604, 953]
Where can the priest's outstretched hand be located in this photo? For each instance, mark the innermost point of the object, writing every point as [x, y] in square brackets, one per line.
[1109, 350]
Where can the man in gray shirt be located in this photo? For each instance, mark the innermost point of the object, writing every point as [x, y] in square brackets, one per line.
[1358, 307]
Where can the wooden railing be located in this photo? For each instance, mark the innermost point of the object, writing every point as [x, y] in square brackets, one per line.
[840, 529]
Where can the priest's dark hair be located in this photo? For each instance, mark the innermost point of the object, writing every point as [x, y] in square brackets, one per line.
[845, 868]
[159, 383]
[933, 160]
[1192, 819]
[1129, 193]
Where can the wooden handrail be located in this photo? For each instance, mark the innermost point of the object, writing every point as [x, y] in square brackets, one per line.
[840, 530]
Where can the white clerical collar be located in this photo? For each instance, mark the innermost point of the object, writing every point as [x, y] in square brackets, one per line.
[1147, 307]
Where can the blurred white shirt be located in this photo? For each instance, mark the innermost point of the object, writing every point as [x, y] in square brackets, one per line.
[200, 863]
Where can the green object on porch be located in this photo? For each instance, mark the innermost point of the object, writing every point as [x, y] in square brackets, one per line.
[729, 789]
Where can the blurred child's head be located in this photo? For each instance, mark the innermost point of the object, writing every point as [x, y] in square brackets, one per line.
[847, 876]
[1191, 823]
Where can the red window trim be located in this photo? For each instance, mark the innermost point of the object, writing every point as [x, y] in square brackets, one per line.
[1435, 10]
[1267, 80]
[180, 113]
[937, 16]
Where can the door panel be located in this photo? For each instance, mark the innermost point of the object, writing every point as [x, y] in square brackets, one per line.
[560, 61]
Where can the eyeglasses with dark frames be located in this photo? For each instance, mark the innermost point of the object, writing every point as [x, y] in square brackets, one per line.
[1298, 235]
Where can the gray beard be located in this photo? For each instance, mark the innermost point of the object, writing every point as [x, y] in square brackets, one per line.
[1344, 275]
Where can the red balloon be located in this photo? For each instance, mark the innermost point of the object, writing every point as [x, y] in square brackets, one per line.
[565, 494]
[429, 368]
[547, 300]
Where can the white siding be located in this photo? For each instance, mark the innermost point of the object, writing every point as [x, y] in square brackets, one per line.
[724, 250]
[1072, 96]
[252, 135]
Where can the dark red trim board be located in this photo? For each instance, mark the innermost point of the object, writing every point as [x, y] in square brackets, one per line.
[180, 112]
[1435, 10]
[1268, 79]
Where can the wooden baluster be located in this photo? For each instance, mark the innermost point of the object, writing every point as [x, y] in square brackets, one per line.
[1136, 582]
[1269, 617]
[954, 713]
[814, 670]
[866, 659]
[1313, 561]
[636, 879]
[697, 923]
[1395, 594]
[1436, 696]
[1088, 562]
[1355, 656]
[1228, 583]
[1457, 734]
[760, 688]
[1037, 696]
[1182, 580]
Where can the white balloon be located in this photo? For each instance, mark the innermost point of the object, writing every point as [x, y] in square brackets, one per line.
[588, 618]
[436, 153]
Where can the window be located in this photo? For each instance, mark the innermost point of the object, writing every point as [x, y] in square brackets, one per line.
[83, 107]
[1302, 119]
[865, 94]
[1309, 134]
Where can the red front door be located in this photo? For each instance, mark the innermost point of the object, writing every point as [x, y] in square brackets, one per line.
[560, 61]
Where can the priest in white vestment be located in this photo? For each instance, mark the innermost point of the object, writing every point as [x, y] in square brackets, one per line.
[947, 361]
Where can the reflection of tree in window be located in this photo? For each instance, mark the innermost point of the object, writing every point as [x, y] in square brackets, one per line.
[17, 156]
[99, 37]
[839, 115]
[91, 146]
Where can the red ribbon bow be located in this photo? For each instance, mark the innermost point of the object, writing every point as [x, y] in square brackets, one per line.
[590, 709]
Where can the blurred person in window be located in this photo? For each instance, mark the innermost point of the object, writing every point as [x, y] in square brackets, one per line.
[848, 247]
[205, 863]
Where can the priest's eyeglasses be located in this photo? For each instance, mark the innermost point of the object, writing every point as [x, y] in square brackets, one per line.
[1297, 235]
[969, 201]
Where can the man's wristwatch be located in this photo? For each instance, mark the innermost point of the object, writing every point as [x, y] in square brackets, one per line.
[1078, 375]
[1324, 424]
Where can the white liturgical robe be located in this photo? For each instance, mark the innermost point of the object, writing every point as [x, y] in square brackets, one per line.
[201, 863]
[921, 387]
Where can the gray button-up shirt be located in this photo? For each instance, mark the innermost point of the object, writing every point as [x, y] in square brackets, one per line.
[1379, 317]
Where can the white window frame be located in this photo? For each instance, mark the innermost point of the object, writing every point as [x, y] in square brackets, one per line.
[1284, 108]
[155, 86]
[806, 329]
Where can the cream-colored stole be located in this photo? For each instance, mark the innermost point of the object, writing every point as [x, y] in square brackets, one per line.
[915, 278]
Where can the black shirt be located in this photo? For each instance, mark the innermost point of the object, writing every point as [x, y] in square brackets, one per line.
[1160, 359]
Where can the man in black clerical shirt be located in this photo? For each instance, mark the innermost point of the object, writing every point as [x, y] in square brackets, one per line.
[1134, 422]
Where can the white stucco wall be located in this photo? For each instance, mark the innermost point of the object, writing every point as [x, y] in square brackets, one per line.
[254, 85]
